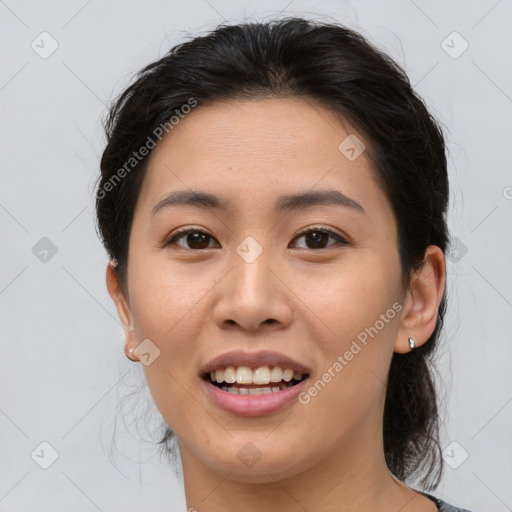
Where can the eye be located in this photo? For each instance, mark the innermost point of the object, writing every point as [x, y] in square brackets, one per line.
[317, 238]
[196, 239]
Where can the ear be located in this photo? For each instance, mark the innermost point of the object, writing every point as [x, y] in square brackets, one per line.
[419, 315]
[123, 310]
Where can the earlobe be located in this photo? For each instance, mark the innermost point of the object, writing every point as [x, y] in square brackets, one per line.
[421, 305]
[129, 352]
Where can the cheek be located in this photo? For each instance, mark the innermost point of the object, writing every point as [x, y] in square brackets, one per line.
[166, 306]
[359, 311]
[164, 297]
[353, 296]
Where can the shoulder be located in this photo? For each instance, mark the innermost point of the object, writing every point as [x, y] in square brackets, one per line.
[443, 506]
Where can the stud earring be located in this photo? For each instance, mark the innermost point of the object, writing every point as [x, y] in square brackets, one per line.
[411, 343]
[129, 353]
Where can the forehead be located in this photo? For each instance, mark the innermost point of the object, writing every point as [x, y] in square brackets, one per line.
[252, 148]
[265, 130]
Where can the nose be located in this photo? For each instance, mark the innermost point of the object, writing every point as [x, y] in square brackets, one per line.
[253, 296]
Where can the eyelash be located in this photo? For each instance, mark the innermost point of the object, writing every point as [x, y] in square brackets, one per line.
[180, 233]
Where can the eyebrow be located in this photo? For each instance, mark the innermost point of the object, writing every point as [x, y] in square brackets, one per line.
[284, 203]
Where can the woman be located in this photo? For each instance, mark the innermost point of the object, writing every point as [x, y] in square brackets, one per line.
[273, 200]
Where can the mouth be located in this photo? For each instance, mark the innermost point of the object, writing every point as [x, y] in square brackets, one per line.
[253, 384]
[243, 380]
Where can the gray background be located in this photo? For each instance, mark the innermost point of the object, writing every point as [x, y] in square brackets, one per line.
[63, 373]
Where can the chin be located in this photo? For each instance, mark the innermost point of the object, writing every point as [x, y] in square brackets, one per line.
[248, 464]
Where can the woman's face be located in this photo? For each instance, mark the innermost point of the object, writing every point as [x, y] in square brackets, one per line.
[248, 280]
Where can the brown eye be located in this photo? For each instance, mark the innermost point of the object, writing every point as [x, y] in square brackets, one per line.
[318, 238]
[195, 239]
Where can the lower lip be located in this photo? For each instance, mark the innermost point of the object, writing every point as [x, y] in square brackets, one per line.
[253, 405]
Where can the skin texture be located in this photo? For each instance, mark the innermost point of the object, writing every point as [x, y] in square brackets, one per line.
[195, 304]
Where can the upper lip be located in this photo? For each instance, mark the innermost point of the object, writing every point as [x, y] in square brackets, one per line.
[253, 360]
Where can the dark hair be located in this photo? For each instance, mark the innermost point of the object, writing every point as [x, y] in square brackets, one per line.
[340, 70]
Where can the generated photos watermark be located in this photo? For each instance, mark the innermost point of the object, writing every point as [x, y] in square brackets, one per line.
[143, 151]
[355, 348]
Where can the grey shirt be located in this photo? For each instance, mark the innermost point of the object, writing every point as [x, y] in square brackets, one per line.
[442, 506]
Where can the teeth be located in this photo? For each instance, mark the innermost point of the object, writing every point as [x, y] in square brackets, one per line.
[243, 375]
[230, 375]
[254, 391]
[276, 375]
[287, 375]
[261, 376]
